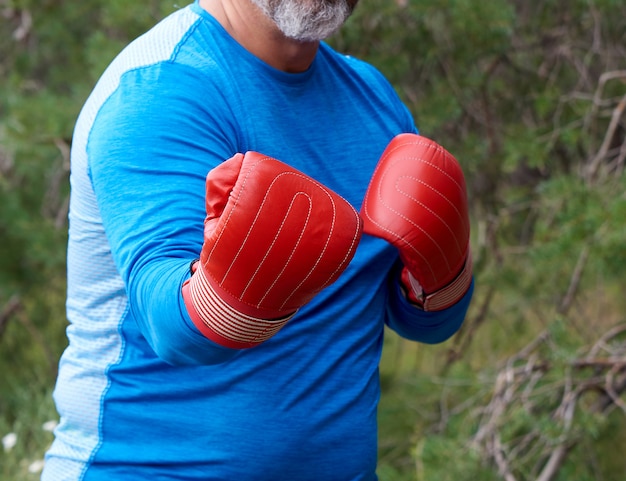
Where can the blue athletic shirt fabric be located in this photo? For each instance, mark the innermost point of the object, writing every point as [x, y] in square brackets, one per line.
[141, 393]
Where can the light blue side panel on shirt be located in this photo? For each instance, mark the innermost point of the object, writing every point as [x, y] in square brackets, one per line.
[96, 304]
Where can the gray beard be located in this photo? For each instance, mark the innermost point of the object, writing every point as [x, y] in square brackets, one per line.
[306, 20]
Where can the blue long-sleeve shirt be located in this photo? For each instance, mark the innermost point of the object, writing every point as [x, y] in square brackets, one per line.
[141, 393]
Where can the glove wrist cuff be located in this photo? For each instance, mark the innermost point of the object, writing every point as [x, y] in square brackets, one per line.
[444, 297]
[222, 323]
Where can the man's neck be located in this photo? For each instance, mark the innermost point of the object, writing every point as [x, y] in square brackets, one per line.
[259, 35]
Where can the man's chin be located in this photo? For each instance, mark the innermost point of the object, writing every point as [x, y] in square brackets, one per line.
[305, 23]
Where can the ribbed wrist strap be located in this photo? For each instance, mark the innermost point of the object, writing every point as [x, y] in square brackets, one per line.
[222, 323]
[448, 295]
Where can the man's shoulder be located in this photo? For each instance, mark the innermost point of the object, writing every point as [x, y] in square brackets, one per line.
[356, 66]
[161, 43]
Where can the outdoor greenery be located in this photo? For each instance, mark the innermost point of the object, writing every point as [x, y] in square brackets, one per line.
[529, 96]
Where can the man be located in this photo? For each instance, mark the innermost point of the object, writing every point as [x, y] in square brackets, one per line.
[231, 134]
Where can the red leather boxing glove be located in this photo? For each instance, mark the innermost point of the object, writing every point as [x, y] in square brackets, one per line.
[417, 201]
[273, 238]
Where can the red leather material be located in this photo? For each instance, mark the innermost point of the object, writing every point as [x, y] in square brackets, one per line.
[417, 200]
[274, 238]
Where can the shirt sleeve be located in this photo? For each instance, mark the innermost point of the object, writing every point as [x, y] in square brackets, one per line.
[152, 143]
[429, 327]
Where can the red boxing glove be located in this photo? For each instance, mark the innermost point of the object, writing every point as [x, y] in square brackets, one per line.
[273, 238]
[417, 201]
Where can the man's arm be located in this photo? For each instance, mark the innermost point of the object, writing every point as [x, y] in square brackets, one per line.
[268, 237]
[152, 143]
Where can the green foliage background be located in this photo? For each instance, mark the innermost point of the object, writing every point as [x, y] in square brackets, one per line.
[530, 97]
